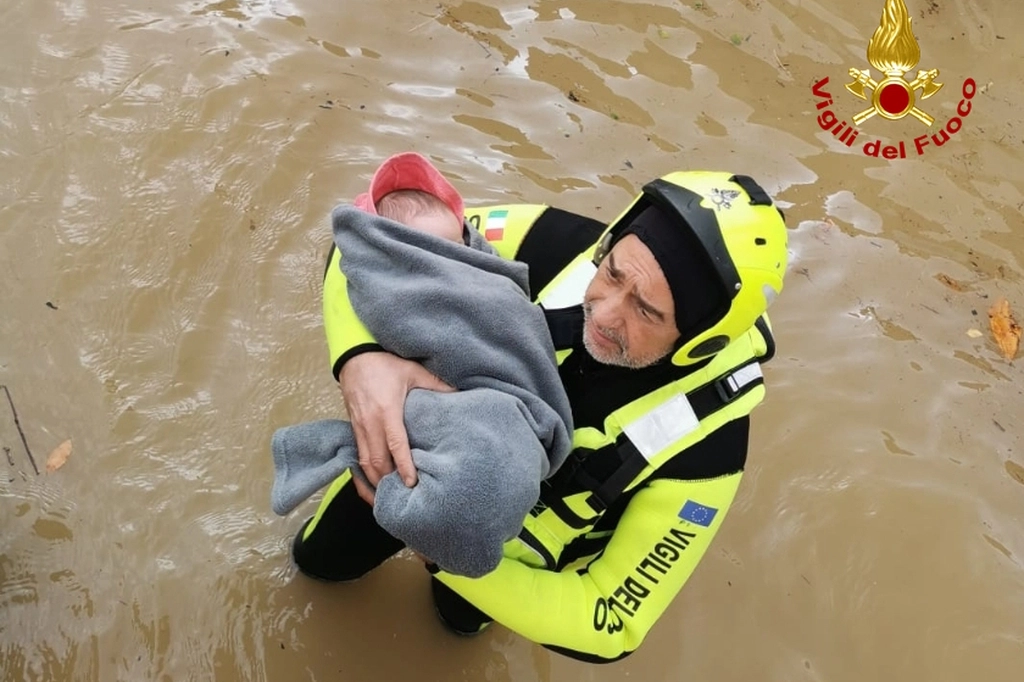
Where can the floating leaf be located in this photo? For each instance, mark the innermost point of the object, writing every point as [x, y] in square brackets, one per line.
[1004, 328]
[58, 457]
[974, 333]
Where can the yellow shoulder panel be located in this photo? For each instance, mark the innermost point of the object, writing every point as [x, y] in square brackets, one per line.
[505, 226]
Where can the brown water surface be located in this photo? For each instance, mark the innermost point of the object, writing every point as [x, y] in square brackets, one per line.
[166, 172]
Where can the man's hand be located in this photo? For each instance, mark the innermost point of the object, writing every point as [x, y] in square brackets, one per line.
[375, 386]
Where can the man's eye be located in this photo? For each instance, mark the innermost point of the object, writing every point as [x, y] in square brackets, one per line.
[644, 312]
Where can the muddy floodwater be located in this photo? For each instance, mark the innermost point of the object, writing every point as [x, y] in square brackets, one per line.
[166, 175]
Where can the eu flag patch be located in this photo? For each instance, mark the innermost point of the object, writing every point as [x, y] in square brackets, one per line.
[697, 513]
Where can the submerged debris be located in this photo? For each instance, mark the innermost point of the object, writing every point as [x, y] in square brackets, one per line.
[58, 457]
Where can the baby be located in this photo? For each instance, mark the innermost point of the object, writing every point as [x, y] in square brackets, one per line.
[421, 211]
[466, 315]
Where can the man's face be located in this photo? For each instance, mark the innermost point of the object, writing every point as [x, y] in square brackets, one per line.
[628, 308]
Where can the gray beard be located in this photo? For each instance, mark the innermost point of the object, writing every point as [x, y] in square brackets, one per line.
[620, 358]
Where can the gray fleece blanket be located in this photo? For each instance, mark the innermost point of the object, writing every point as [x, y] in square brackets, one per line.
[481, 452]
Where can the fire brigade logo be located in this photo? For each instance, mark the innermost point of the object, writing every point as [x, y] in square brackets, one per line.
[894, 51]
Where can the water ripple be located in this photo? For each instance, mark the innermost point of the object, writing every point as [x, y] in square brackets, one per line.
[167, 180]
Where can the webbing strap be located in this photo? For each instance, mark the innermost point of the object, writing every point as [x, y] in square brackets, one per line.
[567, 515]
[769, 340]
[719, 393]
[633, 462]
[758, 197]
[634, 457]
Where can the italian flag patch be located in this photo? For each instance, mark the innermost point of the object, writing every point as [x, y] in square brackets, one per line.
[494, 227]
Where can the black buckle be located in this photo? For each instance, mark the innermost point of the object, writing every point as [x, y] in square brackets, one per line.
[725, 391]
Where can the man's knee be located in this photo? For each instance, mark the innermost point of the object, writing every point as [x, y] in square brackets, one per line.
[343, 540]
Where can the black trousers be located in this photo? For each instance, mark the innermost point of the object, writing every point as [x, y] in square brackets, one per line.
[346, 543]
